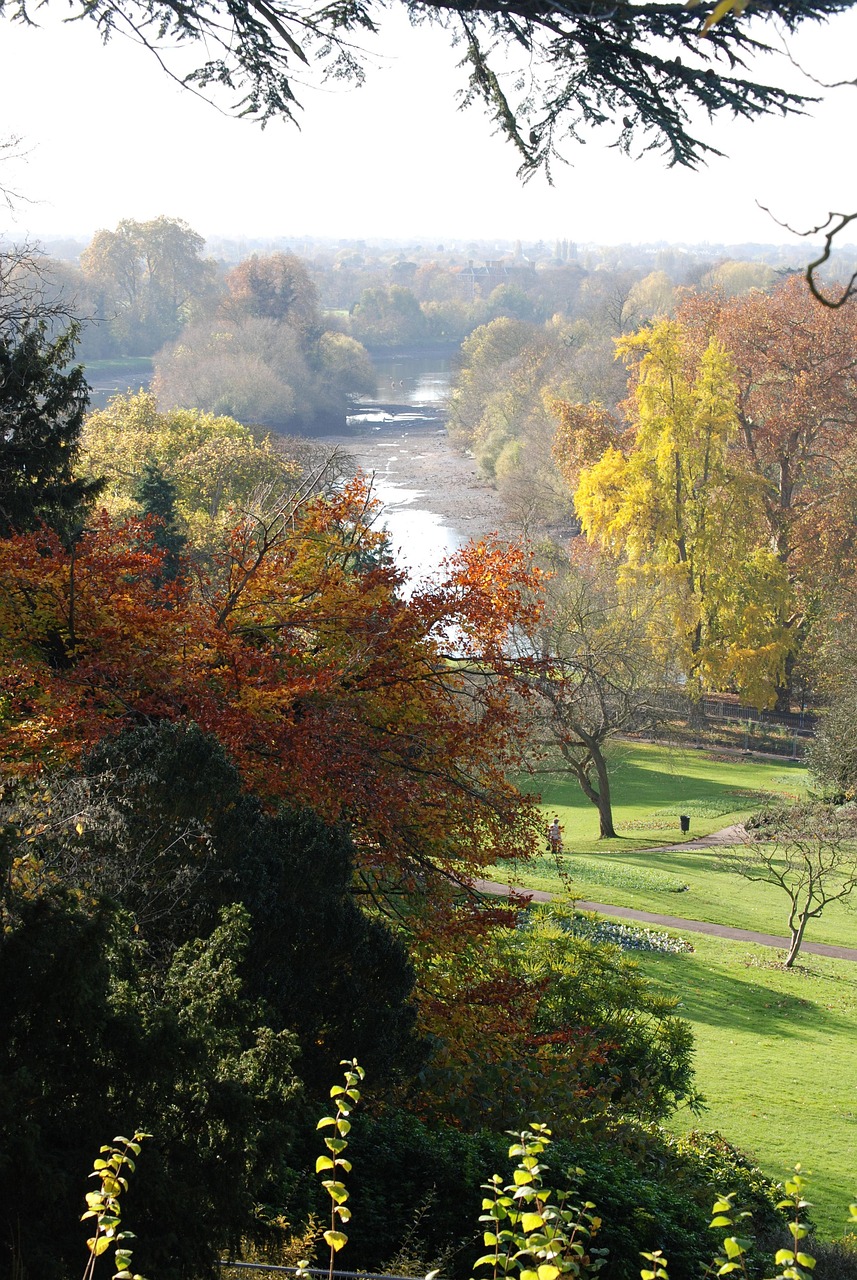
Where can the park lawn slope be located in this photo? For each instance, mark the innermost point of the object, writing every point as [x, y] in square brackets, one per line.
[653, 785]
[774, 1059]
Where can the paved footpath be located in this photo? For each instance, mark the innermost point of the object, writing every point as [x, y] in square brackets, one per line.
[673, 922]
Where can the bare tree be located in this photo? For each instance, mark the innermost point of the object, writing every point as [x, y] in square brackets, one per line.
[808, 851]
[29, 296]
[597, 676]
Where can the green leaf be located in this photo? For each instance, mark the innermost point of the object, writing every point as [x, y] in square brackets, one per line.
[782, 1256]
[547, 1271]
[323, 1162]
[806, 1260]
[531, 1222]
[720, 1221]
[322, 1124]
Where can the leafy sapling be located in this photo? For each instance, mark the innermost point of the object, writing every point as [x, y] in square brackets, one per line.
[114, 1162]
[793, 1264]
[658, 1268]
[345, 1099]
[735, 1248]
[531, 1231]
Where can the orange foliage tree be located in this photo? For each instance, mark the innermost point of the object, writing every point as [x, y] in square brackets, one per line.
[795, 365]
[327, 686]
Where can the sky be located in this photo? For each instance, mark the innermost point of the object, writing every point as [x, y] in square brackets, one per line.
[108, 135]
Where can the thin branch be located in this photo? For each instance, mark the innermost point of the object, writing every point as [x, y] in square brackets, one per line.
[832, 225]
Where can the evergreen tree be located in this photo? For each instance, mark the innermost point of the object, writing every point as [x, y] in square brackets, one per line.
[43, 401]
[155, 494]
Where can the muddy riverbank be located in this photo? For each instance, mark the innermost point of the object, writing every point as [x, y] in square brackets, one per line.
[418, 459]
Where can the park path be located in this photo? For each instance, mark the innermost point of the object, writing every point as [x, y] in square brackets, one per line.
[726, 836]
[736, 834]
[673, 922]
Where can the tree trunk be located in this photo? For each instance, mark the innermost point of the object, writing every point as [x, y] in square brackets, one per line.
[605, 804]
[784, 690]
[796, 940]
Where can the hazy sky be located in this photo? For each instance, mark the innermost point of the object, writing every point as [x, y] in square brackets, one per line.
[110, 136]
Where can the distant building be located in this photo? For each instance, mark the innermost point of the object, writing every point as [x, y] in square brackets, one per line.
[479, 282]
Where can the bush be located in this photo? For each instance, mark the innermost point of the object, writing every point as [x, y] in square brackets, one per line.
[650, 1188]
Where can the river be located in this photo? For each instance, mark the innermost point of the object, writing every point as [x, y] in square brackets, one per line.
[433, 498]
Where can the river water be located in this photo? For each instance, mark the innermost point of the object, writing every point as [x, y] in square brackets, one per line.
[392, 434]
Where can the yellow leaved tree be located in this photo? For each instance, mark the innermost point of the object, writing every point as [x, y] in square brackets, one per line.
[669, 504]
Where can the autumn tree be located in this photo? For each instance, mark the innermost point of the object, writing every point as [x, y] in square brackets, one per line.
[795, 372]
[808, 852]
[264, 355]
[218, 467]
[327, 687]
[273, 287]
[43, 400]
[148, 276]
[674, 508]
[500, 408]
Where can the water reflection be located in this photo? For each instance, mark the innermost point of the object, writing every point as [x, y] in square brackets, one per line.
[419, 540]
[412, 392]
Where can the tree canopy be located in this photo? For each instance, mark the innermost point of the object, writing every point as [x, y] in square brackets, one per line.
[641, 69]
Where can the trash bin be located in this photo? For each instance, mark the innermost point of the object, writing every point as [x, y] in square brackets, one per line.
[685, 822]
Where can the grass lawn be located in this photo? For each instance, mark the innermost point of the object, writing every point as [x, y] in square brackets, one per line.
[775, 1050]
[653, 785]
[775, 1059]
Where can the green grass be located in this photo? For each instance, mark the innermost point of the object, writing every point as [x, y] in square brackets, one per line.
[775, 1060]
[652, 786]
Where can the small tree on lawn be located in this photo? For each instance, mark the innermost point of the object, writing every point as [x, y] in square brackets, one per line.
[809, 851]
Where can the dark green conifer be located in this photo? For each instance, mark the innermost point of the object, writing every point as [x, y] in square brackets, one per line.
[155, 494]
[43, 402]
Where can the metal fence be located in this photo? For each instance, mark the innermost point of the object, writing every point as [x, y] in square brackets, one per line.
[725, 709]
[311, 1271]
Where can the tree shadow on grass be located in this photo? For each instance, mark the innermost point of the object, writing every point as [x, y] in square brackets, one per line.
[743, 1004]
[638, 786]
